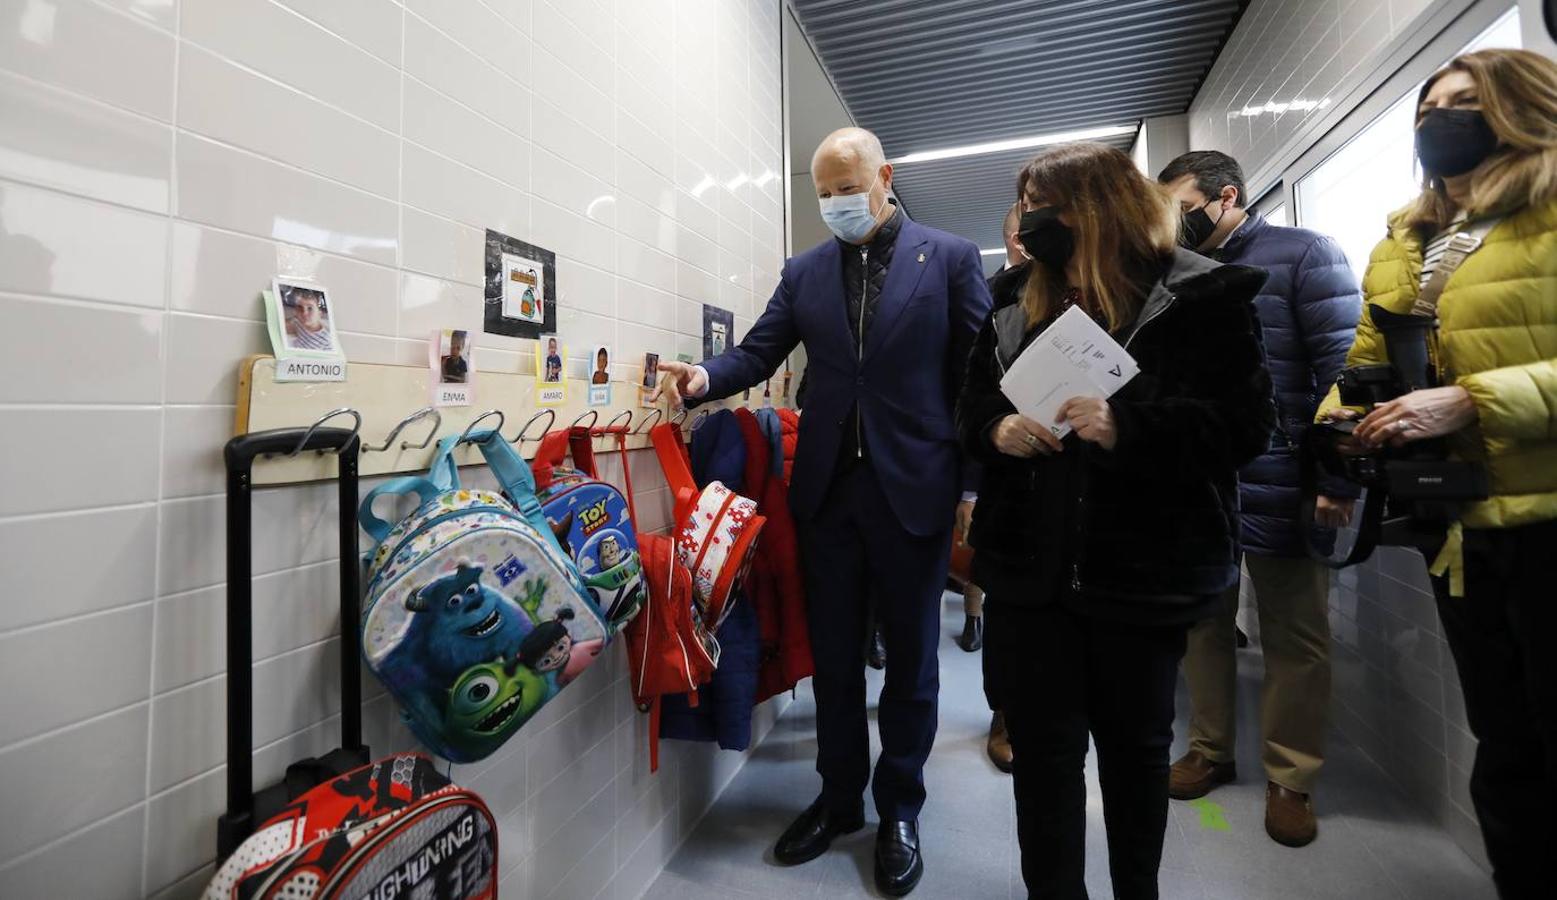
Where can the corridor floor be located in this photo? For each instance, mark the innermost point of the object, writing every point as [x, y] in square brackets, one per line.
[1371, 844]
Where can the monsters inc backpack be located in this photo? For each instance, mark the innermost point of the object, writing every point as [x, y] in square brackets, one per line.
[592, 520]
[474, 617]
[393, 828]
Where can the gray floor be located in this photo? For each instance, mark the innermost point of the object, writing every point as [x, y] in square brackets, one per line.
[1371, 844]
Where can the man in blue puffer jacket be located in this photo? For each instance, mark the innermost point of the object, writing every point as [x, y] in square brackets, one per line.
[1308, 311]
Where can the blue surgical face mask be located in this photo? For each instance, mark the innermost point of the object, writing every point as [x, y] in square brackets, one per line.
[849, 215]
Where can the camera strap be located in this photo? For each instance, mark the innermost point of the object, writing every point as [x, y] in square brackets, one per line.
[1464, 242]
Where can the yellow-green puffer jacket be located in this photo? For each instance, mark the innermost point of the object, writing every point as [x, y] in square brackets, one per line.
[1497, 338]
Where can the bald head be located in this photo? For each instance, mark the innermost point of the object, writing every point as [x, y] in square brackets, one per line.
[851, 146]
[850, 162]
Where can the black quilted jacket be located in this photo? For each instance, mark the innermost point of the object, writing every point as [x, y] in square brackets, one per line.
[1146, 532]
[864, 274]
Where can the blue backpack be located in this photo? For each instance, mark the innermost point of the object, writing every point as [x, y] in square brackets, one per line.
[474, 617]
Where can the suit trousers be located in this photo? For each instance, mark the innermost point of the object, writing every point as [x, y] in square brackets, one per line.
[1293, 600]
[852, 549]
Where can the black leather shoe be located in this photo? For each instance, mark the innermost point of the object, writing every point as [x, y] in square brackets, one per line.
[972, 639]
[876, 656]
[898, 863]
[812, 833]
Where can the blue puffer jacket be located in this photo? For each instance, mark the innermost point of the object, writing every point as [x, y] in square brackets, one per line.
[1308, 312]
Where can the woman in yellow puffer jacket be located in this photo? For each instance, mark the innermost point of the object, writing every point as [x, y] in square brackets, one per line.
[1486, 135]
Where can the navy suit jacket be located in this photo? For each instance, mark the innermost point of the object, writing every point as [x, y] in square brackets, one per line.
[906, 382]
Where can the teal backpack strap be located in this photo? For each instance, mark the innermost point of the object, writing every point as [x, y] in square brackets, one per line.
[513, 473]
[442, 476]
[377, 528]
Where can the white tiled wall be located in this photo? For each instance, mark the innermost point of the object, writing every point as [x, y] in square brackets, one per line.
[1284, 51]
[160, 161]
[1396, 693]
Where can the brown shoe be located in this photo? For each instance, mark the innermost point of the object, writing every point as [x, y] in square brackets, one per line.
[1193, 776]
[1289, 816]
[999, 746]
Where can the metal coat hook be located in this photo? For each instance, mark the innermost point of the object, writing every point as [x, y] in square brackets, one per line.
[655, 415]
[679, 417]
[465, 435]
[343, 411]
[700, 418]
[422, 413]
[625, 425]
[593, 416]
[523, 432]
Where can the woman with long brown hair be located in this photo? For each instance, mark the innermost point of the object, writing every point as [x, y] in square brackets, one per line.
[1477, 251]
[1100, 548]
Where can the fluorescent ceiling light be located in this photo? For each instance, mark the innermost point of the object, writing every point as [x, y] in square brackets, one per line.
[1039, 140]
[999, 251]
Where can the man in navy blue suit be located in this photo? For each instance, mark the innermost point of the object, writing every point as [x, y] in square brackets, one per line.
[887, 313]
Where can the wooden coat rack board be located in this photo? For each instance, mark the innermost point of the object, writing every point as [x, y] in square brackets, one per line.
[386, 395]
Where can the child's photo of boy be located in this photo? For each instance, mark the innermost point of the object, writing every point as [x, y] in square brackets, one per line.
[454, 358]
[305, 317]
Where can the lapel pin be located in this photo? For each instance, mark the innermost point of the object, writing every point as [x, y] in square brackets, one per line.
[921, 257]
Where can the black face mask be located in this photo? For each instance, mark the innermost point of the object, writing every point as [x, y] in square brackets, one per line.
[1197, 228]
[1454, 141]
[1046, 239]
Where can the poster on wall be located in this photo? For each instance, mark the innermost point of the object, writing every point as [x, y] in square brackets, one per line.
[600, 376]
[551, 388]
[651, 379]
[521, 288]
[301, 321]
[718, 326]
[454, 378]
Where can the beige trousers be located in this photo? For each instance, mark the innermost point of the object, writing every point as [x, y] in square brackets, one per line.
[1292, 598]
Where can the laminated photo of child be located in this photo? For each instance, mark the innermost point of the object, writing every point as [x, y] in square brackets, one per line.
[602, 373]
[651, 370]
[455, 366]
[307, 319]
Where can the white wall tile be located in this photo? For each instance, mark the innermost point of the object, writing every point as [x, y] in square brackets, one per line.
[373, 25]
[70, 475]
[123, 543]
[104, 861]
[560, 86]
[202, 356]
[481, 31]
[316, 61]
[463, 135]
[441, 247]
[589, 55]
[77, 353]
[52, 243]
[59, 140]
[219, 100]
[86, 667]
[74, 776]
[235, 190]
[64, 44]
[440, 185]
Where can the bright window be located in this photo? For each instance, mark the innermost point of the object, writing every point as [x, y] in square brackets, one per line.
[1350, 194]
[1275, 215]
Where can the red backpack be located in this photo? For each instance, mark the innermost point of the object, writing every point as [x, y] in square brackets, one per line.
[393, 828]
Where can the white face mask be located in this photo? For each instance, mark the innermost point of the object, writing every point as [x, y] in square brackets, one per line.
[849, 215]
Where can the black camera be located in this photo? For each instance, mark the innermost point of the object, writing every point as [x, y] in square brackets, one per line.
[1413, 490]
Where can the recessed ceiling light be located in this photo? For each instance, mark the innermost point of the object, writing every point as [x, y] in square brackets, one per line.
[1039, 140]
[998, 251]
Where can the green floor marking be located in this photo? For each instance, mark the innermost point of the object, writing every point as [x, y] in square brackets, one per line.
[1211, 817]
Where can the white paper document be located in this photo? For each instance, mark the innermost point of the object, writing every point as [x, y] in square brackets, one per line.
[1074, 357]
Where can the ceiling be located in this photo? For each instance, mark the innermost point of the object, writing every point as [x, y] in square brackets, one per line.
[931, 74]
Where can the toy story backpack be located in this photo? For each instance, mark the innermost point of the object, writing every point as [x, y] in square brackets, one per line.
[474, 617]
[593, 521]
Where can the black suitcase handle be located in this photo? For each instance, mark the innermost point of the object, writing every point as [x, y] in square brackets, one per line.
[239, 820]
